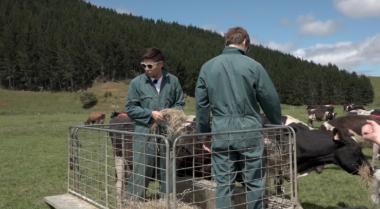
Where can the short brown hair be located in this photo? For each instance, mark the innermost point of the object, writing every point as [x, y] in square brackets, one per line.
[236, 35]
[153, 54]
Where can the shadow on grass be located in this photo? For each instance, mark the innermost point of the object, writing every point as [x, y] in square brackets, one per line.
[341, 205]
[307, 205]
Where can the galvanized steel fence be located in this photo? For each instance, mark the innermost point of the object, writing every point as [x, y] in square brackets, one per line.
[104, 169]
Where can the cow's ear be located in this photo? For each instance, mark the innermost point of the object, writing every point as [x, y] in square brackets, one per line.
[338, 136]
[342, 137]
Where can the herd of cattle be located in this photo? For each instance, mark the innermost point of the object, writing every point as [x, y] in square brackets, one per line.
[338, 140]
[326, 112]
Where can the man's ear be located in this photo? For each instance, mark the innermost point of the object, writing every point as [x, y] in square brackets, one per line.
[161, 64]
[246, 44]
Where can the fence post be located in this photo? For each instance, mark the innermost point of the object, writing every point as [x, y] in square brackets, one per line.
[105, 173]
[169, 179]
[173, 168]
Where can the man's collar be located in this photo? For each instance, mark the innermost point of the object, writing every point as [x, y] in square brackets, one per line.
[155, 81]
[164, 74]
[232, 50]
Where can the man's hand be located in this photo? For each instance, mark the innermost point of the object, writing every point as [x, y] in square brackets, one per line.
[371, 131]
[206, 147]
[157, 116]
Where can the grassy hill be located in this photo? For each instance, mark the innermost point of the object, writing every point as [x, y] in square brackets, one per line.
[59, 53]
[33, 148]
[375, 81]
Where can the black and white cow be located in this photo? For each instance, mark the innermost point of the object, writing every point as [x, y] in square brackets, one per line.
[318, 147]
[364, 112]
[122, 151]
[352, 106]
[325, 107]
[320, 113]
[351, 126]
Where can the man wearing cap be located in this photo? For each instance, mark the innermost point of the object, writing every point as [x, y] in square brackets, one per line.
[232, 86]
[149, 93]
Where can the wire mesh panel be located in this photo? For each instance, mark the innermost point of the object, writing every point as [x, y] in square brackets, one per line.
[240, 169]
[113, 167]
[87, 165]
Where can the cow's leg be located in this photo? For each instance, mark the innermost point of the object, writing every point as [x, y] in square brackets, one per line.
[119, 167]
[277, 169]
[375, 154]
[311, 118]
[120, 162]
[310, 122]
[278, 181]
[376, 188]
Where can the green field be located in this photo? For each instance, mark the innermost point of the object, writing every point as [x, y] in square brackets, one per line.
[33, 148]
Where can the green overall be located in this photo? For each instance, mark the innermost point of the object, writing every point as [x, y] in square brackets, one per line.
[232, 86]
[143, 98]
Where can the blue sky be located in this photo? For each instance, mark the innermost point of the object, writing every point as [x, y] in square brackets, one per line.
[342, 32]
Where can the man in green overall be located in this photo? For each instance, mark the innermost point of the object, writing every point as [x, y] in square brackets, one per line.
[149, 93]
[232, 86]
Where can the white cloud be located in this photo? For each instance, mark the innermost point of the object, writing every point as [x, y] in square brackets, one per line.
[359, 8]
[308, 25]
[255, 41]
[346, 55]
[284, 47]
[123, 11]
[285, 22]
[213, 28]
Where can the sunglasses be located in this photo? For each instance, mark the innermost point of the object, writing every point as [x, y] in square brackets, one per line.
[149, 66]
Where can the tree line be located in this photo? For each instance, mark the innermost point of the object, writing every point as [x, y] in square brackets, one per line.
[65, 45]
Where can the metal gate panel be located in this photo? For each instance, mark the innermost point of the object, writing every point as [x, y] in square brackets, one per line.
[100, 166]
[100, 162]
[195, 181]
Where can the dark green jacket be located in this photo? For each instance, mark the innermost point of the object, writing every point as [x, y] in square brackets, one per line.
[233, 85]
[143, 98]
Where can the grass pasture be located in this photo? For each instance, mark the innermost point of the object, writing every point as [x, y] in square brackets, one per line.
[33, 148]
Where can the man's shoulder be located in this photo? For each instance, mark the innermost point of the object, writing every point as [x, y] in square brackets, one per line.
[212, 61]
[172, 76]
[248, 59]
[216, 58]
[252, 63]
[138, 79]
[242, 59]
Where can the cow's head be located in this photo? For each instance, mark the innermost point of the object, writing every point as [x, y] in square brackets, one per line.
[330, 115]
[348, 154]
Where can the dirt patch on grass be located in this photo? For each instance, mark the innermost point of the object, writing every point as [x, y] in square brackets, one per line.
[111, 86]
[108, 86]
[3, 104]
[118, 89]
